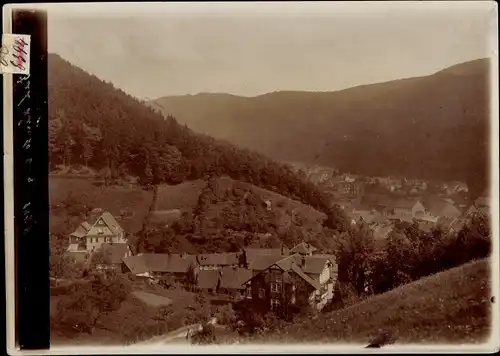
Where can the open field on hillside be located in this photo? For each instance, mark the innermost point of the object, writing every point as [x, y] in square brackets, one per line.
[133, 201]
[450, 307]
[182, 196]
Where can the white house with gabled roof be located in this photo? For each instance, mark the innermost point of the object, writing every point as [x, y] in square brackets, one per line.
[90, 236]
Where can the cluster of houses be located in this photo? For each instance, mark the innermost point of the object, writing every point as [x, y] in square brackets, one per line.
[380, 212]
[274, 277]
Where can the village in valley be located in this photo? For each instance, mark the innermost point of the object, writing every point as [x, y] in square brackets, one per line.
[222, 196]
[280, 280]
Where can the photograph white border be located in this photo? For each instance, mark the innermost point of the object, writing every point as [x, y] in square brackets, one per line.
[292, 8]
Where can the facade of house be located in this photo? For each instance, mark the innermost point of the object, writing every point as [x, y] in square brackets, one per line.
[294, 281]
[105, 230]
[100, 229]
[89, 236]
[349, 188]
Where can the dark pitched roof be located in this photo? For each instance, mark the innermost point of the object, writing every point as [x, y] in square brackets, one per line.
[482, 202]
[110, 220]
[207, 279]
[290, 263]
[303, 248]
[304, 276]
[260, 258]
[234, 277]
[262, 262]
[404, 203]
[156, 262]
[313, 264]
[402, 217]
[375, 199]
[86, 225]
[115, 252]
[286, 263]
[80, 231]
[136, 264]
[219, 259]
[437, 206]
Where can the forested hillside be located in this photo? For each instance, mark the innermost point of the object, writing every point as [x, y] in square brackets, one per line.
[433, 127]
[94, 124]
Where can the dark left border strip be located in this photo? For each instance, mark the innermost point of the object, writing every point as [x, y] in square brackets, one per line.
[31, 198]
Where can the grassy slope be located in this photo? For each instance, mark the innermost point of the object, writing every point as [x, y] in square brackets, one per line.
[182, 196]
[113, 199]
[449, 307]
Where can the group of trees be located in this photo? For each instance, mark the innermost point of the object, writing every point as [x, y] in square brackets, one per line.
[86, 301]
[408, 254]
[236, 215]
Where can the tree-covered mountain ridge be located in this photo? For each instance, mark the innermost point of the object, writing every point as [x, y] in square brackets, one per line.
[92, 123]
[431, 127]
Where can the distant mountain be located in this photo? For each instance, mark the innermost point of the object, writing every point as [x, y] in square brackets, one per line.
[432, 127]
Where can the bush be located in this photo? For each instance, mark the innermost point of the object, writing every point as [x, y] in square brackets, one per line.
[206, 336]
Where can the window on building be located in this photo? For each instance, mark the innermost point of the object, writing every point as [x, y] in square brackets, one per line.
[262, 293]
[100, 231]
[274, 287]
[249, 292]
[292, 299]
[275, 303]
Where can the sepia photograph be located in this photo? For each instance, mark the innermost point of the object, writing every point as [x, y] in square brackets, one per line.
[256, 176]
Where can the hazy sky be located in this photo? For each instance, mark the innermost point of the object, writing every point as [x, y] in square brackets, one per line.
[250, 49]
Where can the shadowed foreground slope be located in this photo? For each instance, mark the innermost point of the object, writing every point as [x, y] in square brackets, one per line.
[449, 307]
